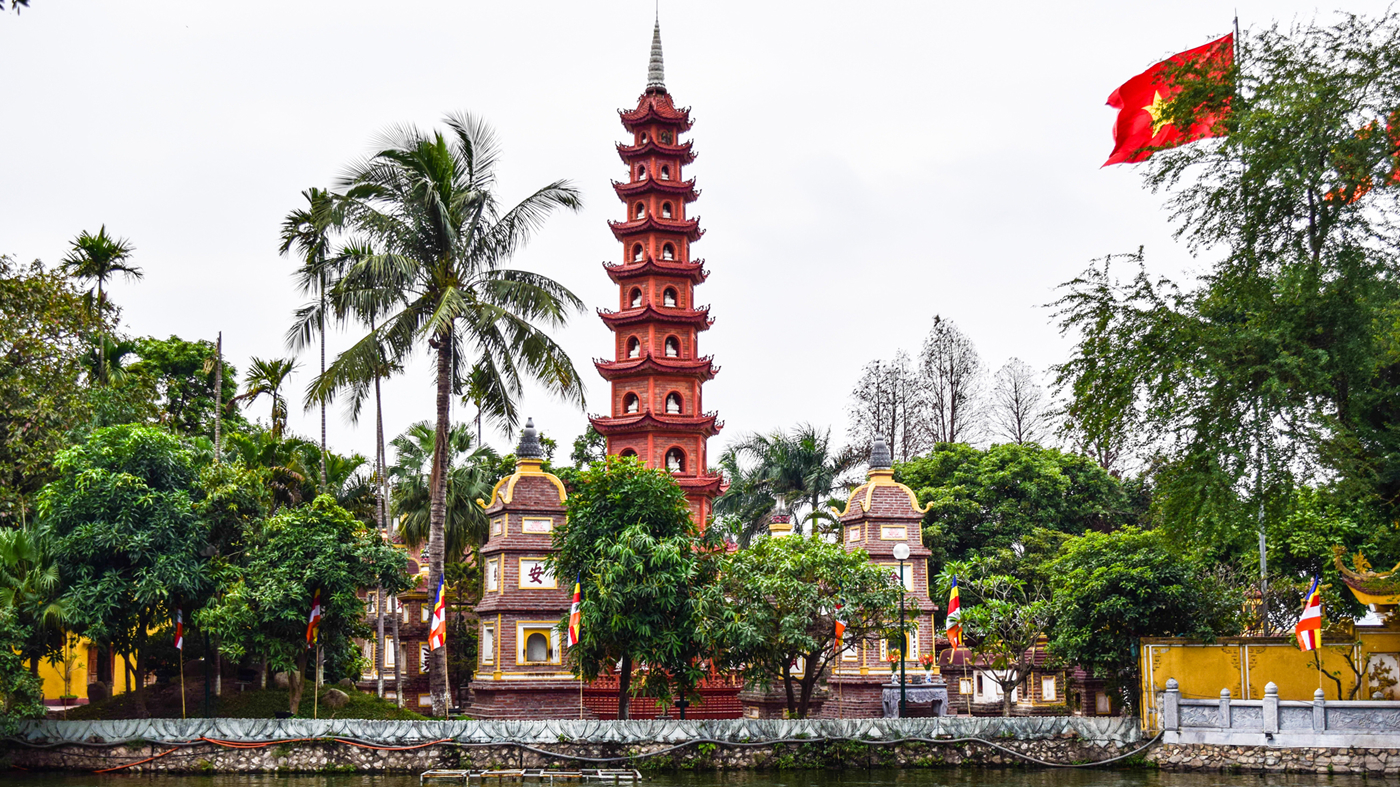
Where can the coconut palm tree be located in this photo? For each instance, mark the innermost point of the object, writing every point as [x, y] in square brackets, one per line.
[427, 200]
[267, 377]
[98, 258]
[800, 469]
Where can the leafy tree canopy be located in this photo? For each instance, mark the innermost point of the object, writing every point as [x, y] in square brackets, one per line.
[21, 694]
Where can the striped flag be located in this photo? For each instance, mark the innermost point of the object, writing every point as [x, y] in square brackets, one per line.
[840, 622]
[179, 630]
[313, 622]
[437, 635]
[575, 617]
[1309, 628]
[954, 623]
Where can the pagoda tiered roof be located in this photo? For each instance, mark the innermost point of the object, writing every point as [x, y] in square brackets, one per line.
[690, 228]
[712, 484]
[699, 319]
[695, 271]
[655, 106]
[685, 189]
[703, 368]
[651, 147]
[708, 424]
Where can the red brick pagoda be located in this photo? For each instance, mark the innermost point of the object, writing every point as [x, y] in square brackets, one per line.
[658, 372]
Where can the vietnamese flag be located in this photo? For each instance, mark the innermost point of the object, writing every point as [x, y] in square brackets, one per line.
[1141, 103]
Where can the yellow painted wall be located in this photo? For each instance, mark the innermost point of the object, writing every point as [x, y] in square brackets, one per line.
[1244, 665]
[52, 675]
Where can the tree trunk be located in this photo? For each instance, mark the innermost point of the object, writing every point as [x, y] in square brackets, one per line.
[296, 680]
[218, 396]
[398, 662]
[1006, 700]
[809, 682]
[624, 689]
[322, 324]
[787, 689]
[141, 711]
[218, 669]
[381, 503]
[379, 647]
[437, 659]
[262, 674]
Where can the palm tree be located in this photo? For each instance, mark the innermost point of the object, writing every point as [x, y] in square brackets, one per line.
[267, 377]
[98, 258]
[308, 230]
[29, 585]
[470, 475]
[106, 360]
[748, 502]
[800, 469]
[427, 200]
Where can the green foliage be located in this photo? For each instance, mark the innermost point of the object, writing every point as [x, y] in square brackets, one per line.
[31, 589]
[267, 377]
[1006, 622]
[120, 523]
[776, 602]
[317, 546]
[630, 541]
[1278, 368]
[45, 328]
[1111, 589]
[471, 474]
[182, 374]
[21, 694]
[799, 469]
[992, 499]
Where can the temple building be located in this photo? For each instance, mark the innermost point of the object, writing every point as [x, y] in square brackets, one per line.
[657, 373]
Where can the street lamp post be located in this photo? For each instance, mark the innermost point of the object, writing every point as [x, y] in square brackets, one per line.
[901, 553]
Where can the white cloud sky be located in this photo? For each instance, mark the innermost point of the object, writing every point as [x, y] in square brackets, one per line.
[865, 166]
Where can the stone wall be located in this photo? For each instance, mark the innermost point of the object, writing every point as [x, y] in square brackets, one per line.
[690, 745]
[1209, 757]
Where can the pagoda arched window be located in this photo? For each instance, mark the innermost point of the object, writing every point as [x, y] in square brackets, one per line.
[537, 647]
[634, 348]
[668, 298]
[628, 452]
[673, 404]
[675, 460]
[665, 172]
[642, 138]
[639, 212]
[635, 299]
[673, 347]
[636, 252]
[641, 172]
[668, 252]
[631, 404]
[666, 137]
[665, 210]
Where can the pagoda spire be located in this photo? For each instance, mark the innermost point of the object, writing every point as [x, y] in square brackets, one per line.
[656, 69]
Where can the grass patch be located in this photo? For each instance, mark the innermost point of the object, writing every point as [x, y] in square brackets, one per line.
[164, 703]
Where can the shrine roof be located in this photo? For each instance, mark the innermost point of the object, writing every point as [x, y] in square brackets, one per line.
[650, 266]
[648, 364]
[685, 189]
[699, 319]
[647, 421]
[690, 228]
[653, 147]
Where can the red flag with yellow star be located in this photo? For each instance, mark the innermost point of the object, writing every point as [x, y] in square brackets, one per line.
[1141, 103]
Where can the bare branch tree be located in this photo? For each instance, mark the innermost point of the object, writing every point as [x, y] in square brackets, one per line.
[1018, 410]
[952, 374]
[888, 401]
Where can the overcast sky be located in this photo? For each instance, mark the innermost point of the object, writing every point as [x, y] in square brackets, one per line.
[864, 166]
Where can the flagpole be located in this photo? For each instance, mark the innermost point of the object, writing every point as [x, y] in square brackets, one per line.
[181, 656]
[316, 682]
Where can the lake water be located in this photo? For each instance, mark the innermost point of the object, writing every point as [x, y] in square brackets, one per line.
[949, 777]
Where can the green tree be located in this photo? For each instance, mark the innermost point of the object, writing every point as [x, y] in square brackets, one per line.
[44, 331]
[428, 202]
[775, 606]
[21, 694]
[317, 546]
[121, 525]
[1112, 589]
[98, 258]
[268, 377]
[800, 469]
[1004, 625]
[183, 374]
[31, 587]
[470, 477]
[1278, 367]
[631, 543]
[992, 499]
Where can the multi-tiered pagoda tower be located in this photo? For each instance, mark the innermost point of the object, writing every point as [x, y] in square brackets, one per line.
[657, 373]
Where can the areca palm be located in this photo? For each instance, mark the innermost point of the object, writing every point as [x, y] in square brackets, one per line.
[267, 377]
[29, 584]
[427, 201]
[98, 258]
[308, 231]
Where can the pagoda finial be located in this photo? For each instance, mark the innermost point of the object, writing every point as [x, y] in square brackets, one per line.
[656, 69]
[880, 455]
[529, 447]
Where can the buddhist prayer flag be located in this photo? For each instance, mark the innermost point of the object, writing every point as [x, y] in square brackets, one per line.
[954, 617]
[1141, 102]
[840, 622]
[313, 621]
[1309, 628]
[575, 617]
[179, 630]
[437, 635]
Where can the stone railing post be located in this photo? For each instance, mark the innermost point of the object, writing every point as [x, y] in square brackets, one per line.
[1270, 707]
[1171, 706]
[1319, 711]
[1225, 708]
